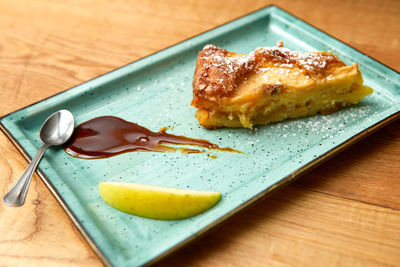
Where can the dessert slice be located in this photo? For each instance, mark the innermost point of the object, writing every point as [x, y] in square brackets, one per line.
[271, 84]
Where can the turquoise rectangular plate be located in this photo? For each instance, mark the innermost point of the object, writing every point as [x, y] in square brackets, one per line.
[155, 92]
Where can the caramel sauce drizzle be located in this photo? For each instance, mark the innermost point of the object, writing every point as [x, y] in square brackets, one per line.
[108, 136]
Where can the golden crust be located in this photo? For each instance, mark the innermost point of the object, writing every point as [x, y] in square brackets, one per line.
[218, 72]
[235, 90]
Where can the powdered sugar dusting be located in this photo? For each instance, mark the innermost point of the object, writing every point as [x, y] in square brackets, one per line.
[281, 56]
[218, 71]
[227, 64]
[287, 58]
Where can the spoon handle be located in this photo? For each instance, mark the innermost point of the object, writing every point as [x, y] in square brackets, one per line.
[17, 195]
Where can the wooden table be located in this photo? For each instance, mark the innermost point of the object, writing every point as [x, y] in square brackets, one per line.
[345, 212]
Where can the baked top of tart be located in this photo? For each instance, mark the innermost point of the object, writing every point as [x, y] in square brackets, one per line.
[271, 84]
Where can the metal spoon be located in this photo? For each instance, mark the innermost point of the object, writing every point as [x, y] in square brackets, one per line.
[56, 130]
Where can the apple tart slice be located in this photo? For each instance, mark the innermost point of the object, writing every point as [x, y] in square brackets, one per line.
[271, 84]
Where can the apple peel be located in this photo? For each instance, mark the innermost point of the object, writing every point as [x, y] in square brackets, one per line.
[157, 202]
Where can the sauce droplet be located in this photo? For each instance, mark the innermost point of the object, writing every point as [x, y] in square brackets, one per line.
[108, 136]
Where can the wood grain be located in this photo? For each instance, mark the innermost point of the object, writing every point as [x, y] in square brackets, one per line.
[349, 174]
[300, 228]
[345, 212]
[38, 233]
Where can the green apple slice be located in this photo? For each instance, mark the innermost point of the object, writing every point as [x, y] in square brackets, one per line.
[157, 202]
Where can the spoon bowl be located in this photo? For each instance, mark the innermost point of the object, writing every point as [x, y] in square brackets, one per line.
[56, 130]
